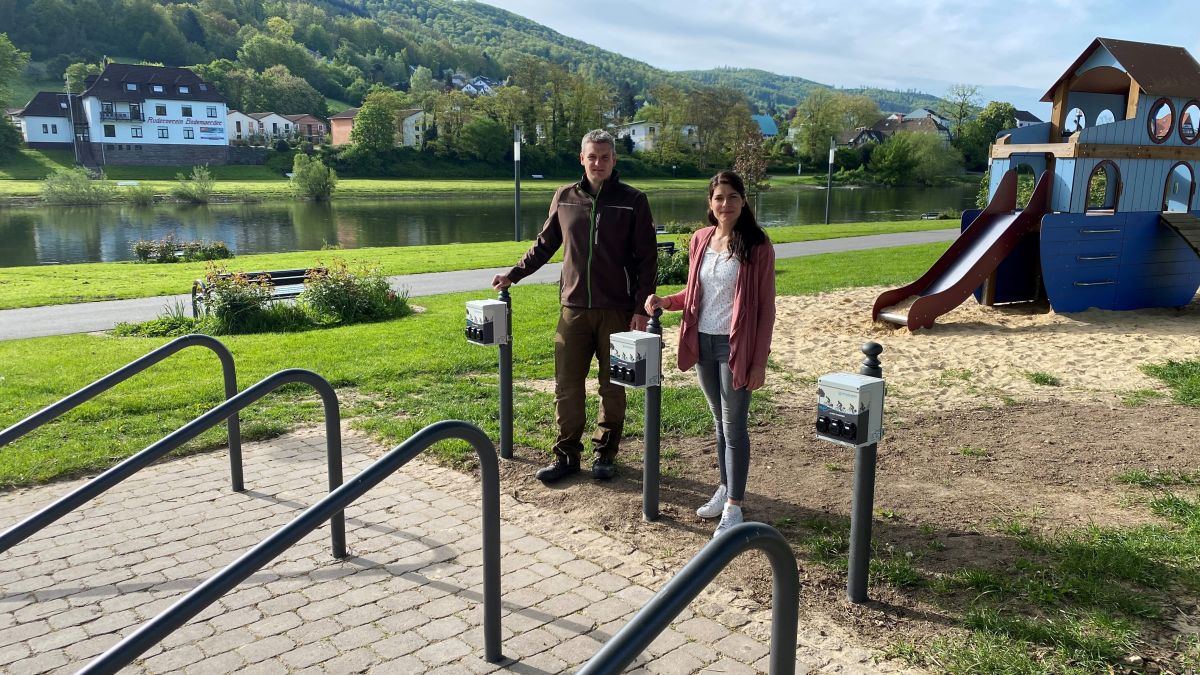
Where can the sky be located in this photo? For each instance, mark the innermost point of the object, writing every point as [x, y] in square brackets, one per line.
[1013, 50]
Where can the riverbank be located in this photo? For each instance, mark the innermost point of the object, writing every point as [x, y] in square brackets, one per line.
[87, 282]
[28, 192]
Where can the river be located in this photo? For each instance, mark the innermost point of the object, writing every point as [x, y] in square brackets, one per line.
[46, 235]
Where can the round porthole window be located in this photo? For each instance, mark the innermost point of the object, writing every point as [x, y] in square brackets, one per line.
[1189, 122]
[1161, 121]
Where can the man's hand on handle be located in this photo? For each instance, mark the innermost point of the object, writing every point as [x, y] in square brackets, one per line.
[501, 281]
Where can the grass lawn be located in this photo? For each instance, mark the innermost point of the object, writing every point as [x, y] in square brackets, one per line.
[399, 390]
[30, 166]
[396, 377]
[57, 284]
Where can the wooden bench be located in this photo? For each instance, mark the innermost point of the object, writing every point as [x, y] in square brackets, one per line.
[667, 247]
[284, 285]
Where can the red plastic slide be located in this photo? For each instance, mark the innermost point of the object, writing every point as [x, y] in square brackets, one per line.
[969, 261]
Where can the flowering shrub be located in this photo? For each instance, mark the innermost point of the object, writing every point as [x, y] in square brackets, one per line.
[341, 295]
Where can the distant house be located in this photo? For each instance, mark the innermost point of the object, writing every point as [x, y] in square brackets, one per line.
[240, 126]
[308, 127]
[133, 114]
[859, 137]
[411, 134]
[340, 126]
[921, 113]
[272, 125]
[889, 126]
[45, 122]
[1027, 119]
[644, 134]
[766, 125]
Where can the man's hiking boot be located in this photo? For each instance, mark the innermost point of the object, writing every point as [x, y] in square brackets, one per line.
[604, 468]
[561, 468]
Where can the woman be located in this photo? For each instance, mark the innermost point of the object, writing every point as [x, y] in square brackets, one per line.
[728, 317]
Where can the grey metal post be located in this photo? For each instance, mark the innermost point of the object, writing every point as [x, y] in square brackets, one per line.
[506, 383]
[829, 181]
[653, 414]
[863, 504]
[516, 190]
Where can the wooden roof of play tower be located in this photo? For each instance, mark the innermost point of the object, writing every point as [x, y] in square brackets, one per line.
[1158, 70]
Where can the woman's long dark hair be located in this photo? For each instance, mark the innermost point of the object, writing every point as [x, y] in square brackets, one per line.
[747, 233]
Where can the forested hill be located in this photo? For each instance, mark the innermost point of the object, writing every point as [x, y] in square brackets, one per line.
[773, 90]
[342, 47]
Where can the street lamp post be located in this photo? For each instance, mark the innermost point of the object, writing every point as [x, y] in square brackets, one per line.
[516, 183]
[829, 181]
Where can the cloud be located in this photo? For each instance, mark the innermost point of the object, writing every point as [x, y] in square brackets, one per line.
[895, 43]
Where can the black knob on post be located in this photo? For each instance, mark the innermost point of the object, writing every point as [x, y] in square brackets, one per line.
[871, 366]
[654, 325]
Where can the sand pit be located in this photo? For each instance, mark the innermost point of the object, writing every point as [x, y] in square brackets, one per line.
[979, 356]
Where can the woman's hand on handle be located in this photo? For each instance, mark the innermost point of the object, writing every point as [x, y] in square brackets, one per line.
[653, 302]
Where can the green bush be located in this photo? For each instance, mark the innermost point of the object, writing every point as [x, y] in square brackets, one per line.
[311, 179]
[675, 227]
[75, 186]
[168, 250]
[341, 295]
[141, 195]
[240, 305]
[673, 268]
[195, 187]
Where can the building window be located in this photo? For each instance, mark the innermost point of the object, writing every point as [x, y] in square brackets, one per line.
[164, 132]
[45, 128]
[238, 125]
[203, 87]
[136, 132]
[189, 133]
[183, 89]
[130, 86]
[212, 111]
[186, 110]
[54, 128]
[157, 88]
[106, 108]
[110, 131]
[160, 110]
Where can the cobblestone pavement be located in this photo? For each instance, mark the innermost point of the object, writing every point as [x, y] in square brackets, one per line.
[408, 600]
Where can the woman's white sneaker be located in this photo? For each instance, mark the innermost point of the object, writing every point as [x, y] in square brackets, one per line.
[731, 515]
[713, 507]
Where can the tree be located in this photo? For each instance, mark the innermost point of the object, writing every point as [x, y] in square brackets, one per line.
[10, 139]
[374, 127]
[12, 60]
[892, 162]
[77, 73]
[484, 139]
[961, 105]
[280, 28]
[311, 179]
[818, 118]
[750, 162]
[978, 134]
[932, 158]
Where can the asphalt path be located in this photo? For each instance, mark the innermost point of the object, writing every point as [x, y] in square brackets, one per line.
[86, 317]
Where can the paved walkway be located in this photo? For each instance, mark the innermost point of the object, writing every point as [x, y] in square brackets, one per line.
[93, 316]
[407, 601]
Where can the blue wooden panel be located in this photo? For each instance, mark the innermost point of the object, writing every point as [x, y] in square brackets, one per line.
[1077, 226]
[1034, 133]
[1066, 297]
[1098, 58]
[1060, 194]
[1160, 291]
[1102, 256]
[998, 168]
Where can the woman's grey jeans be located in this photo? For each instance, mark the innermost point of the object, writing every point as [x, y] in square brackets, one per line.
[730, 409]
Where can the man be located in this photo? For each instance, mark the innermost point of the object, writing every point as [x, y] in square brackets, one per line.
[609, 268]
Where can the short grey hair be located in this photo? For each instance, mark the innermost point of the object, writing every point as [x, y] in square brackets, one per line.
[598, 136]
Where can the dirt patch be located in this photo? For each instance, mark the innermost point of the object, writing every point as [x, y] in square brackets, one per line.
[974, 451]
